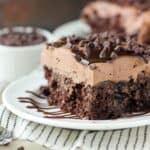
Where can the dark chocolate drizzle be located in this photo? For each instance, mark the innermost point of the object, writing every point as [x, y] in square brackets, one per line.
[56, 114]
[135, 114]
[36, 94]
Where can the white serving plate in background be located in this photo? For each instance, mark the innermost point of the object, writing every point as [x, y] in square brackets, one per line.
[76, 27]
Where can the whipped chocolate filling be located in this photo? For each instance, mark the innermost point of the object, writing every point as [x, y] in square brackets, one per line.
[103, 47]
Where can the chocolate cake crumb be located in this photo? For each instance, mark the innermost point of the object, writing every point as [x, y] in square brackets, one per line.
[106, 100]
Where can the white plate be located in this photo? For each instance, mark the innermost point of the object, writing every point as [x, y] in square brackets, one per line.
[76, 27]
[34, 81]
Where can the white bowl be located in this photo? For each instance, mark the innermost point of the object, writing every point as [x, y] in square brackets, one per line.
[16, 61]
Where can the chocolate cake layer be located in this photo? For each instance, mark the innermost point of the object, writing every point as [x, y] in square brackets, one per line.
[106, 100]
[107, 15]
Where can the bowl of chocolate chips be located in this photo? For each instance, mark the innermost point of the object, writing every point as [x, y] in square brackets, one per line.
[20, 49]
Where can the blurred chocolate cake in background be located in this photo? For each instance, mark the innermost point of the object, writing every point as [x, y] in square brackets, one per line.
[129, 16]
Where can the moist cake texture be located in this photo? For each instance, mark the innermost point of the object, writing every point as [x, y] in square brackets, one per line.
[106, 100]
[102, 76]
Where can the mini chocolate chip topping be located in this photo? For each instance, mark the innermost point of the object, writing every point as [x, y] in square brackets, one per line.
[102, 47]
[15, 38]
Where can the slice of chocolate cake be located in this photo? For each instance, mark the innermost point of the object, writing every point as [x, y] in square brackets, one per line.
[129, 16]
[102, 76]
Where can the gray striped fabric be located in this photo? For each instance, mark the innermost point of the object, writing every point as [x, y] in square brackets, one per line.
[57, 138]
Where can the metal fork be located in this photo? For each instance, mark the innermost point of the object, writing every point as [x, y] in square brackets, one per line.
[42, 104]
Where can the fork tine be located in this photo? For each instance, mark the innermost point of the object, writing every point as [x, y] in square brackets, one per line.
[41, 106]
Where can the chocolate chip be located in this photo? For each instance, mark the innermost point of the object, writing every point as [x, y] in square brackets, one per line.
[54, 84]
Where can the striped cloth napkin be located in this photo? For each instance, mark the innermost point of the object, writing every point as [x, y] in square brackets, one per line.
[65, 139]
